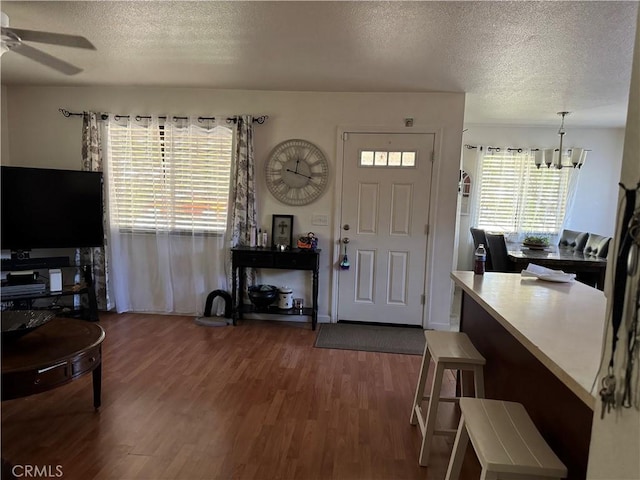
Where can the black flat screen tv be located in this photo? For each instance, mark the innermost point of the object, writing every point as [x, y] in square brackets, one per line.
[48, 208]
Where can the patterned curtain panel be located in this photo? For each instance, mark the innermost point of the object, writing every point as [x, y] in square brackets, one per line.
[243, 200]
[92, 161]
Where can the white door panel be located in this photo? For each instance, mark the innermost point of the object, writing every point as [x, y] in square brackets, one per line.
[384, 215]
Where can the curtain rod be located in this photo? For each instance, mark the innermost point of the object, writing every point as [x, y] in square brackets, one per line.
[260, 119]
[498, 149]
[509, 149]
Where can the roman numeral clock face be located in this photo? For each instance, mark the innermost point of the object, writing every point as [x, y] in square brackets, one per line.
[297, 172]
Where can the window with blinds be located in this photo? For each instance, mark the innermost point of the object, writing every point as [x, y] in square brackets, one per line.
[169, 178]
[515, 196]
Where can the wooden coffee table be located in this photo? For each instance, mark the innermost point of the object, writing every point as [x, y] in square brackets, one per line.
[56, 353]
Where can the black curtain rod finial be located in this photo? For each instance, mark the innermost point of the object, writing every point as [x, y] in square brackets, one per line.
[259, 120]
[68, 114]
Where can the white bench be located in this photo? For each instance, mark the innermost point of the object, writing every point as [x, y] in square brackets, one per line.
[449, 351]
[506, 441]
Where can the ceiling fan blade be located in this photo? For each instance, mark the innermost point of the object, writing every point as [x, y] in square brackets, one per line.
[53, 38]
[46, 59]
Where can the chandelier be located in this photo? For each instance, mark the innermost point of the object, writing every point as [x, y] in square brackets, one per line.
[561, 157]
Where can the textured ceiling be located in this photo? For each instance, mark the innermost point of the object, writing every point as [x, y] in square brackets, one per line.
[519, 62]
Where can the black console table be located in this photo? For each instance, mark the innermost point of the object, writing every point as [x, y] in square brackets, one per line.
[251, 257]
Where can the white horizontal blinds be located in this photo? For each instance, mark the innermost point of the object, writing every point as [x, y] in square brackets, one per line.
[499, 199]
[168, 176]
[135, 170]
[516, 196]
[545, 193]
[199, 170]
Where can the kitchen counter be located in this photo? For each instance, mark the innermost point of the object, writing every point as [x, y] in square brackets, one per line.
[543, 343]
[561, 324]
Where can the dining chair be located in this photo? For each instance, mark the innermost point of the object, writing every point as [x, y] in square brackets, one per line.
[576, 241]
[597, 245]
[478, 238]
[497, 246]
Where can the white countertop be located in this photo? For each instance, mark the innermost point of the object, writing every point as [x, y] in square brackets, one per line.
[561, 324]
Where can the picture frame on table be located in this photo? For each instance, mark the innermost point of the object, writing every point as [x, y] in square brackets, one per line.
[282, 230]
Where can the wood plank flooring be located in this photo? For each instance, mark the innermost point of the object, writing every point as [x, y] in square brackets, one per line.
[255, 401]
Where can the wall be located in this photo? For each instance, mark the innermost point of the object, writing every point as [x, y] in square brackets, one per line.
[309, 115]
[4, 142]
[597, 192]
[615, 440]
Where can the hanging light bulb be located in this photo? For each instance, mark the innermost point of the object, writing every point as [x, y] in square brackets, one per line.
[583, 157]
[576, 155]
[539, 157]
[548, 157]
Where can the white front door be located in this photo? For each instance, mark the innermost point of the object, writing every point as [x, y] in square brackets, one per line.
[385, 208]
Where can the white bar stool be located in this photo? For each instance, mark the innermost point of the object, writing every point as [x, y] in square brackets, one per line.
[449, 351]
[506, 441]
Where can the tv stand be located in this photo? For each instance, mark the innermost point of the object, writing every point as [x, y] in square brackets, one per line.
[24, 301]
[26, 263]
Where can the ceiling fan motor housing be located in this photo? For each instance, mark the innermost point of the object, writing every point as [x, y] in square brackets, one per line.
[8, 39]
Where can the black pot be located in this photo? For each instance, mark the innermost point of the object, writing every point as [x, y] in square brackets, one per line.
[263, 295]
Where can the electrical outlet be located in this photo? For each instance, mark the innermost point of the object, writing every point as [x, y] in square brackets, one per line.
[321, 219]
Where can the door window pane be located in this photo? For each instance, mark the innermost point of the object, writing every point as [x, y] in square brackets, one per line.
[380, 158]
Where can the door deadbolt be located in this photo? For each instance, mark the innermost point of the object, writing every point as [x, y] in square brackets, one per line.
[346, 226]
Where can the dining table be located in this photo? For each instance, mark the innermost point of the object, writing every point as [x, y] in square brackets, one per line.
[589, 269]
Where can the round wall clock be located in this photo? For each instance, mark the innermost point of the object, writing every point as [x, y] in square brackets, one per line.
[297, 172]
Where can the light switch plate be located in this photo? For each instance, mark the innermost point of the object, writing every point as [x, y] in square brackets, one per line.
[321, 219]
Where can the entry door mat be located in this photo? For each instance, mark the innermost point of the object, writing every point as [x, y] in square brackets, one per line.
[371, 338]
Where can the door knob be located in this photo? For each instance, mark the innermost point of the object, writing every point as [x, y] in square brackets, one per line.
[345, 240]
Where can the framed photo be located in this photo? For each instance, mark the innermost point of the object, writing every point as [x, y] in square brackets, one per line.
[282, 230]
